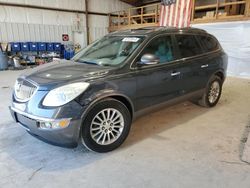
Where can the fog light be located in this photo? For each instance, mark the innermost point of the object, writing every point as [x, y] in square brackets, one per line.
[45, 125]
[57, 124]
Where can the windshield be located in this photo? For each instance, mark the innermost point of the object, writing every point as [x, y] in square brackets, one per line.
[109, 51]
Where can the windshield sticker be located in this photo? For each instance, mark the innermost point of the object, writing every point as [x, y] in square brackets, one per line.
[131, 39]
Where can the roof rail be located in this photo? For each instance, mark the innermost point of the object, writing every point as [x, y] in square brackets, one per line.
[154, 28]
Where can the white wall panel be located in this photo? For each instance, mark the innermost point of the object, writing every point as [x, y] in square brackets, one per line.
[17, 15]
[34, 16]
[98, 21]
[104, 6]
[234, 38]
[22, 32]
[107, 6]
[65, 4]
[98, 26]
[26, 15]
[25, 24]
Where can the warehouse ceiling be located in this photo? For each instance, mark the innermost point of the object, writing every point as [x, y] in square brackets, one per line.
[140, 2]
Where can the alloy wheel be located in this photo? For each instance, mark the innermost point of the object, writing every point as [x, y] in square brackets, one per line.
[107, 126]
[214, 92]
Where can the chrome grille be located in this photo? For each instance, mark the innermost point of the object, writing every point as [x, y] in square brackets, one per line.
[24, 90]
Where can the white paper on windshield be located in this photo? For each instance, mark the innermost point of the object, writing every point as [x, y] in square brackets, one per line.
[131, 39]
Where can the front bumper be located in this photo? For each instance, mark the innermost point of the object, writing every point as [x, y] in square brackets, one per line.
[65, 137]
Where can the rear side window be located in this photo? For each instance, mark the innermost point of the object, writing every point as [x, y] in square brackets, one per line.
[209, 43]
[188, 46]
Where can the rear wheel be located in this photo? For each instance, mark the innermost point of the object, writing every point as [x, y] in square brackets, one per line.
[212, 93]
[106, 126]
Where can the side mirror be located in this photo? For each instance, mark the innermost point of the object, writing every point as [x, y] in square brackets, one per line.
[149, 59]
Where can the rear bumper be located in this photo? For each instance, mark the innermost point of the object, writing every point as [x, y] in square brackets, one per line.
[65, 137]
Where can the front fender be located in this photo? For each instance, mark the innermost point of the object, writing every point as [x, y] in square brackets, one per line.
[93, 99]
[122, 88]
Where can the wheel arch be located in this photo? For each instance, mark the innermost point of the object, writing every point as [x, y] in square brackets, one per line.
[117, 96]
[220, 74]
[126, 101]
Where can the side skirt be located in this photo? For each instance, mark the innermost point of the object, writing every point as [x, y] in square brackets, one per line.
[157, 107]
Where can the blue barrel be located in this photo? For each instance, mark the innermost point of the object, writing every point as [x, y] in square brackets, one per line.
[50, 47]
[57, 47]
[33, 46]
[15, 47]
[65, 54]
[3, 61]
[24, 46]
[41, 46]
[68, 54]
[72, 53]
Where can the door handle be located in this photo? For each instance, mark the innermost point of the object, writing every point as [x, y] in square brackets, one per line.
[175, 73]
[204, 66]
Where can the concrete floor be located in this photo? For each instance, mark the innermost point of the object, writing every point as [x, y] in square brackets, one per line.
[181, 146]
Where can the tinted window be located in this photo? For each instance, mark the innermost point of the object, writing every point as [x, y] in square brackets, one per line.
[209, 43]
[162, 47]
[188, 46]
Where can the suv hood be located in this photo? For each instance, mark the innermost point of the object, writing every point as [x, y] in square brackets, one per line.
[59, 72]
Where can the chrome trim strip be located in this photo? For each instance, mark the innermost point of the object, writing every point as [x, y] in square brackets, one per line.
[33, 116]
[200, 55]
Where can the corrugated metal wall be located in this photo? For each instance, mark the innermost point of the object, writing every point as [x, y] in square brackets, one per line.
[25, 24]
[22, 32]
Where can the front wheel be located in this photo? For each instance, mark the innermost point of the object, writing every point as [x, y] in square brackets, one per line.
[106, 126]
[212, 93]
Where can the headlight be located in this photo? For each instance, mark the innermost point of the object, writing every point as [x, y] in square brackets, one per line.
[64, 94]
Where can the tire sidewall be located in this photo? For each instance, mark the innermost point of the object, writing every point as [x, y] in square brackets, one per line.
[212, 80]
[99, 106]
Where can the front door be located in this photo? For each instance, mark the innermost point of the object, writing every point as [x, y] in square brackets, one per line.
[163, 81]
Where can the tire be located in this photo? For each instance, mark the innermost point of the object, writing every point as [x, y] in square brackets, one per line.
[212, 93]
[103, 135]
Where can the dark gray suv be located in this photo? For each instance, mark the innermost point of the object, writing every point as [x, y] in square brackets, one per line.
[96, 96]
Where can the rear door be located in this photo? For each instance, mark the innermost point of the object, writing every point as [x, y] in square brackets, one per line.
[191, 55]
[212, 55]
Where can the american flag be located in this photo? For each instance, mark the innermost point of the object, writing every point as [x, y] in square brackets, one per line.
[175, 13]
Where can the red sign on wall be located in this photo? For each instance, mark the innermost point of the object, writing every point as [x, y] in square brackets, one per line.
[65, 37]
